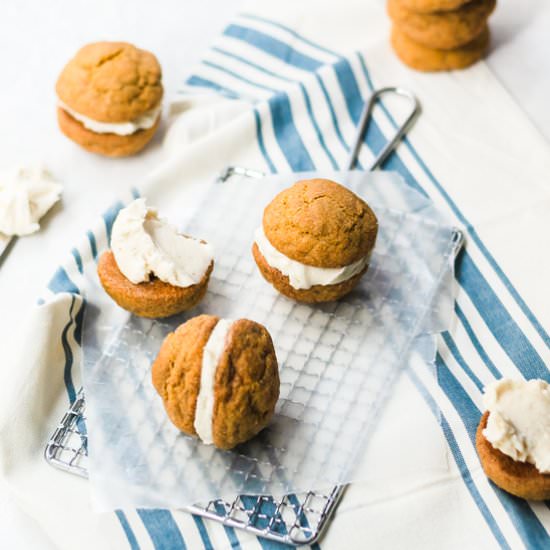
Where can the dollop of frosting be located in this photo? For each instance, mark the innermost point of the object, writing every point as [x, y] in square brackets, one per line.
[302, 276]
[26, 194]
[519, 420]
[143, 122]
[144, 245]
[211, 354]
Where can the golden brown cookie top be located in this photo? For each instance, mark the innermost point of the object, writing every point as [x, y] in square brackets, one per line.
[111, 82]
[319, 222]
[177, 369]
[246, 387]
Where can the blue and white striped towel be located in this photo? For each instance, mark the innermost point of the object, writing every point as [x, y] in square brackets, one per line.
[287, 103]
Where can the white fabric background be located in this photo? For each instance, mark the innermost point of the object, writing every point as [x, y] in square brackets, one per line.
[36, 38]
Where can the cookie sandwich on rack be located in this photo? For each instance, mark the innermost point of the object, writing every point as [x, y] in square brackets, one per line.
[218, 379]
[315, 241]
[153, 270]
[513, 437]
[109, 98]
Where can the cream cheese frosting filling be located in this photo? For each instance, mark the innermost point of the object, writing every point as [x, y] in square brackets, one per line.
[143, 122]
[519, 420]
[211, 355]
[144, 244]
[302, 276]
[26, 194]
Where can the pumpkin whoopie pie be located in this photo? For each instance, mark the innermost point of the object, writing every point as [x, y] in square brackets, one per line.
[218, 379]
[152, 270]
[109, 98]
[513, 437]
[315, 241]
[442, 30]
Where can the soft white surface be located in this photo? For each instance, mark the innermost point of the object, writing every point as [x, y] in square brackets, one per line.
[302, 276]
[519, 420]
[211, 355]
[37, 38]
[26, 194]
[145, 244]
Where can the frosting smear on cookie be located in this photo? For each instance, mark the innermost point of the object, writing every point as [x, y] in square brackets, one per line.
[211, 355]
[302, 276]
[519, 420]
[145, 245]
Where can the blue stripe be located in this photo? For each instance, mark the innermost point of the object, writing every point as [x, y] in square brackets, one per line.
[261, 144]
[447, 338]
[460, 462]
[67, 374]
[229, 531]
[109, 217]
[332, 113]
[500, 323]
[527, 524]
[132, 541]
[60, 282]
[238, 76]
[273, 47]
[78, 259]
[203, 533]
[290, 31]
[305, 95]
[162, 529]
[473, 233]
[204, 83]
[475, 341]
[93, 244]
[135, 193]
[287, 136]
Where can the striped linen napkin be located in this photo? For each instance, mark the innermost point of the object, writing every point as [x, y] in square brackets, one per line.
[290, 103]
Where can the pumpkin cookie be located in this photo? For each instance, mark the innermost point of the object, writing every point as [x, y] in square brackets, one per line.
[315, 241]
[218, 379]
[445, 30]
[518, 478]
[110, 98]
[421, 58]
[430, 6]
[152, 270]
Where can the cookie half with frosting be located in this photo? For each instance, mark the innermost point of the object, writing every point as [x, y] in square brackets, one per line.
[315, 241]
[513, 437]
[218, 379]
[109, 98]
[153, 270]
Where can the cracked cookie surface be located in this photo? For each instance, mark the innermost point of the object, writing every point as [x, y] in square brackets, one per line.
[111, 82]
[319, 222]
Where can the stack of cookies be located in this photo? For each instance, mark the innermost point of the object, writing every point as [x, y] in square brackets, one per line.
[440, 35]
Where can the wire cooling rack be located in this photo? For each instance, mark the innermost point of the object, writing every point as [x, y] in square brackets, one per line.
[293, 519]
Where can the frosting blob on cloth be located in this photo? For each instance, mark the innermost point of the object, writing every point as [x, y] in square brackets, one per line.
[142, 122]
[302, 276]
[519, 420]
[26, 194]
[211, 354]
[144, 244]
